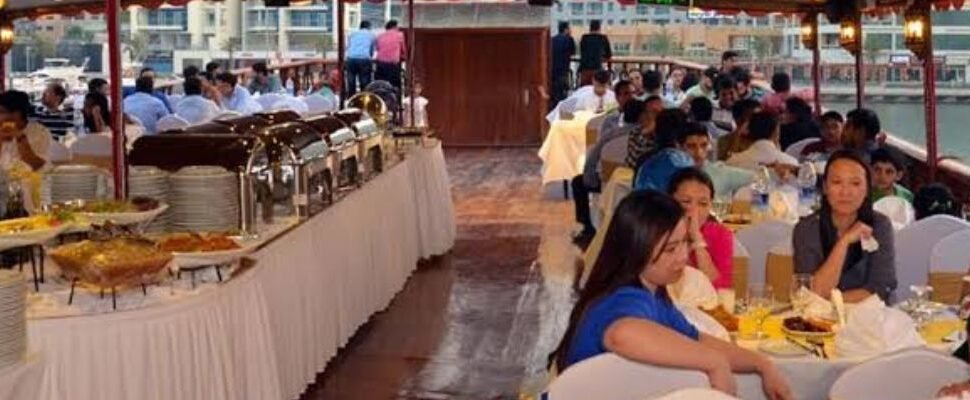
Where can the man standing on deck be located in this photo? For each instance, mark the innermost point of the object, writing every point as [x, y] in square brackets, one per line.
[360, 50]
[728, 60]
[563, 50]
[594, 49]
[390, 51]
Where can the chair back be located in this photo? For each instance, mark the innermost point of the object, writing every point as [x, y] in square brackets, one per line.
[593, 129]
[171, 122]
[697, 394]
[266, 101]
[739, 269]
[290, 103]
[613, 156]
[914, 245]
[904, 375]
[58, 153]
[949, 262]
[228, 114]
[609, 376]
[899, 211]
[318, 104]
[758, 239]
[779, 269]
[795, 149]
[94, 145]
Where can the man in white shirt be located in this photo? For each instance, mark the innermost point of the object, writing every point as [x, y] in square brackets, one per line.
[193, 107]
[235, 97]
[601, 99]
[764, 131]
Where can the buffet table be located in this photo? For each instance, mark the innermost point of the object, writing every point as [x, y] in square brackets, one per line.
[267, 332]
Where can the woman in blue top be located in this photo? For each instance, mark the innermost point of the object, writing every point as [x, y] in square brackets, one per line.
[624, 308]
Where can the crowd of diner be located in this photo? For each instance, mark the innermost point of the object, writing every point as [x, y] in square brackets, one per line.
[692, 141]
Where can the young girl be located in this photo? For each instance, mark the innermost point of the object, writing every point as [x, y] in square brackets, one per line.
[624, 307]
[712, 244]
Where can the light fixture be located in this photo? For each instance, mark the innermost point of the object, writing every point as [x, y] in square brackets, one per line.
[6, 36]
[810, 31]
[850, 34]
[916, 29]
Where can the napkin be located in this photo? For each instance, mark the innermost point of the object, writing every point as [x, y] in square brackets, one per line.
[816, 306]
[693, 289]
[874, 329]
[783, 204]
[870, 244]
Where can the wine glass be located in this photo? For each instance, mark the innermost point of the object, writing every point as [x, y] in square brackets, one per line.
[801, 285]
[921, 311]
[759, 302]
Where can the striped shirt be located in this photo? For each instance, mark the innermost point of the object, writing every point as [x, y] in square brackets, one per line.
[58, 122]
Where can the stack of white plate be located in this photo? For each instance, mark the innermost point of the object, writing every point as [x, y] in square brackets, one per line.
[13, 319]
[151, 182]
[203, 199]
[73, 182]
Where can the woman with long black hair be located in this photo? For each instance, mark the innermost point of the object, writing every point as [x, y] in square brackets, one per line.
[624, 307]
[828, 244]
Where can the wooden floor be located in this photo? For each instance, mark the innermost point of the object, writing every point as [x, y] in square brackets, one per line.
[479, 322]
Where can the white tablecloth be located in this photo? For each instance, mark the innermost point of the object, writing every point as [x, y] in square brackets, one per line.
[267, 333]
[563, 153]
[22, 381]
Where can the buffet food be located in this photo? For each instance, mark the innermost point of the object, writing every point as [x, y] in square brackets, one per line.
[195, 242]
[806, 326]
[137, 204]
[111, 258]
[22, 225]
[723, 317]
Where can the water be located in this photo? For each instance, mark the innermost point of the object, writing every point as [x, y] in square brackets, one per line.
[905, 120]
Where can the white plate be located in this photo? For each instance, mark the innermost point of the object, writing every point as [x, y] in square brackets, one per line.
[204, 258]
[125, 218]
[32, 237]
[782, 348]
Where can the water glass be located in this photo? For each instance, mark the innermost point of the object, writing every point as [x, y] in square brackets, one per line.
[722, 207]
[800, 289]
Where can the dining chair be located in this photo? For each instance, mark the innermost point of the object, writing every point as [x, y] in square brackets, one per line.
[696, 394]
[914, 246]
[609, 376]
[58, 153]
[949, 263]
[759, 239]
[266, 101]
[779, 269]
[795, 149]
[171, 122]
[898, 209]
[739, 269]
[593, 129]
[911, 374]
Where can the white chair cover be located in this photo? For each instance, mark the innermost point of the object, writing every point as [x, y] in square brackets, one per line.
[317, 104]
[132, 133]
[170, 122]
[912, 374]
[759, 239]
[914, 244]
[697, 394]
[952, 253]
[609, 376]
[740, 250]
[568, 107]
[58, 153]
[899, 211]
[173, 99]
[795, 149]
[268, 100]
[92, 145]
[228, 114]
[290, 103]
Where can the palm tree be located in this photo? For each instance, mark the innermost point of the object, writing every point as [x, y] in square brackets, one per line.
[137, 46]
[322, 44]
[662, 43]
[762, 47]
[231, 45]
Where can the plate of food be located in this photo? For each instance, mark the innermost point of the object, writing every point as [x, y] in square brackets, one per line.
[808, 327]
[723, 317]
[29, 230]
[193, 250]
[109, 263]
[134, 211]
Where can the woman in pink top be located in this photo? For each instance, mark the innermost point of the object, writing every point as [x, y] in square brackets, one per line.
[712, 244]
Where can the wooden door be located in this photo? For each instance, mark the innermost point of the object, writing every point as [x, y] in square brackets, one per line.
[483, 84]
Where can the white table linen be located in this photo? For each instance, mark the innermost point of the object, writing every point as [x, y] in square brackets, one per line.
[563, 152]
[22, 380]
[266, 333]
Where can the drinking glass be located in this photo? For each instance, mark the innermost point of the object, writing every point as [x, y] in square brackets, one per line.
[921, 311]
[801, 284]
[722, 207]
[759, 301]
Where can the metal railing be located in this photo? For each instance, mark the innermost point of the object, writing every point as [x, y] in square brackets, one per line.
[302, 72]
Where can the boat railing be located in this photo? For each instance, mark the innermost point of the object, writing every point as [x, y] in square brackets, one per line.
[303, 73]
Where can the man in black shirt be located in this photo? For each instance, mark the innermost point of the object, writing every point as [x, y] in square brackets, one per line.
[563, 50]
[594, 49]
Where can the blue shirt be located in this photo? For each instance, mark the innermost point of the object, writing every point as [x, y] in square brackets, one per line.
[361, 45]
[146, 108]
[625, 302]
[130, 90]
[242, 102]
[655, 173]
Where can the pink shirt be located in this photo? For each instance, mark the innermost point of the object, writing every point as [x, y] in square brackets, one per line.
[720, 245]
[390, 46]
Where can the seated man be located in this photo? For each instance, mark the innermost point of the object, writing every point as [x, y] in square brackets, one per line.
[862, 132]
[701, 112]
[52, 113]
[727, 95]
[234, 96]
[831, 136]
[656, 171]
[764, 132]
[144, 106]
[263, 81]
[888, 168]
[193, 107]
[589, 181]
[601, 99]
[640, 144]
[727, 179]
[738, 140]
[150, 73]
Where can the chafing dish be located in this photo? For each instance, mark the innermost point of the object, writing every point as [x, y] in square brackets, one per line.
[277, 117]
[343, 147]
[370, 139]
[297, 169]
